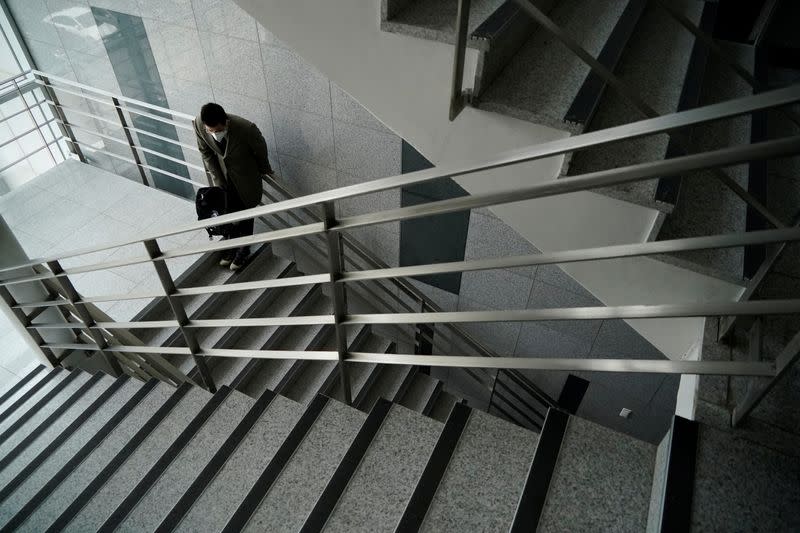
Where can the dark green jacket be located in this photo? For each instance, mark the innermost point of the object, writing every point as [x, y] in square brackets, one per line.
[243, 162]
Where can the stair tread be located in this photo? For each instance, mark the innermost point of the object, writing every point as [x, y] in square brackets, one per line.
[541, 81]
[385, 479]
[435, 20]
[654, 66]
[16, 395]
[54, 428]
[214, 507]
[23, 410]
[444, 403]
[134, 468]
[484, 478]
[294, 493]
[706, 206]
[609, 473]
[386, 386]
[419, 392]
[32, 420]
[177, 478]
[86, 472]
[59, 457]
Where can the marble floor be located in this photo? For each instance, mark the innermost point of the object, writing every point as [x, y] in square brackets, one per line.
[75, 206]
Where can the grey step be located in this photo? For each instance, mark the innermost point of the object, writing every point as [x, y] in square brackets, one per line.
[40, 470]
[220, 499]
[705, 206]
[657, 38]
[383, 483]
[294, 493]
[81, 399]
[387, 385]
[49, 403]
[185, 467]
[540, 82]
[61, 497]
[435, 20]
[420, 392]
[442, 407]
[484, 477]
[105, 500]
[602, 481]
[25, 404]
[362, 376]
[17, 389]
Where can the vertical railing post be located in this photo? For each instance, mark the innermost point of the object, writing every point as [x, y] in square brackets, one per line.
[179, 312]
[462, 26]
[335, 268]
[131, 144]
[26, 321]
[72, 296]
[423, 339]
[35, 123]
[62, 118]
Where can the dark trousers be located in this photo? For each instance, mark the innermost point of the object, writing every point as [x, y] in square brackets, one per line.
[239, 229]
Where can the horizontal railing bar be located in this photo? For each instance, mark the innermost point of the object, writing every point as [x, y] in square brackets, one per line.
[12, 115]
[70, 109]
[174, 176]
[142, 324]
[661, 366]
[170, 158]
[604, 178]
[310, 355]
[250, 285]
[93, 299]
[26, 132]
[162, 138]
[558, 147]
[294, 320]
[104, 152]
[20, 160]
[587, 254]
[758, 307]
[113, 95]
[164, 350]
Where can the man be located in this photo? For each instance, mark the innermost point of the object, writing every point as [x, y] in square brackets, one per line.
[235, 156]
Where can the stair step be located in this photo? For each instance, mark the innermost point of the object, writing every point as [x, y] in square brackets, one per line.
[602, 481]
[362, 376]
[184, 468]
[50, 403]
[129, 471]
[39, 470]
[435, 20]
[385, 479]
[385, 386]
[28, 400]
[212, 509]
[20, 387]
[442, 407]
[540, 82]
[484, 478]
[294, 493]
[420, 392]
[93, 458]
[657, 38]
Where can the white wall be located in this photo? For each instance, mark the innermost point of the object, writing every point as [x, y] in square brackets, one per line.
[405, 82]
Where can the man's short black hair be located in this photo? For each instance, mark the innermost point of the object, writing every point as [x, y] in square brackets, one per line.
[213, 115]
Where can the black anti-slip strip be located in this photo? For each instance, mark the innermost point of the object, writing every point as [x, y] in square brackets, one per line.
[437, 391]
[428, 483]
[213, 467]
[48, 422]
[52, 393]
[534, 493]
[275, 466]
[19, 384]
[676, 515]
[56, 443]
[30, 393]
[145, 484]
[43, 493]
[347, 467]
[119, 459]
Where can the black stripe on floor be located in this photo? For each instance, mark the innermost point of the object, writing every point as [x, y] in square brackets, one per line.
[132, 499]
[428, 483]
[208, 473]
[52, 393]
[83, 498]
[19, 384]
[347, 467]
[56, 443]
[537, 482]
[275, 466]
[30, 393]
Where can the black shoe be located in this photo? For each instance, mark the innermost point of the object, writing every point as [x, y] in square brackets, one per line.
[227, 257]
[242, 254]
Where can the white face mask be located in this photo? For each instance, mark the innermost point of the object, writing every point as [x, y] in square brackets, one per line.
[219, 135]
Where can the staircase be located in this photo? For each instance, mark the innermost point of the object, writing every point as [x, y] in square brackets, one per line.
[85, 452]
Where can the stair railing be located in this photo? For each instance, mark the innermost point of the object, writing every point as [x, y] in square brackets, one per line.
[333, 227]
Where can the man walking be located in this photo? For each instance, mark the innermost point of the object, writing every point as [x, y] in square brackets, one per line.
[235, 156]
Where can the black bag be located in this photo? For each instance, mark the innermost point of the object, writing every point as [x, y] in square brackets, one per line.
[212, 202]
